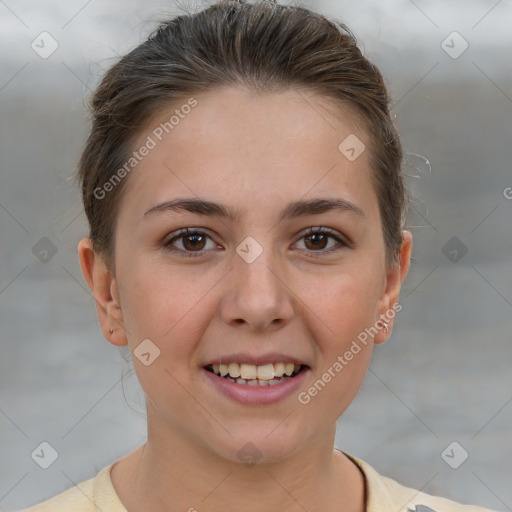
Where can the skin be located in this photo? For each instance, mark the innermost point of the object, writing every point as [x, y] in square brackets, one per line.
[255, 153]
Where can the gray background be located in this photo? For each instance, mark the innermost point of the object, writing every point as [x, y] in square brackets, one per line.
[445, 374]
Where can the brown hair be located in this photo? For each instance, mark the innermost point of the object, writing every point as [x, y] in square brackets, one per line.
[263, 46]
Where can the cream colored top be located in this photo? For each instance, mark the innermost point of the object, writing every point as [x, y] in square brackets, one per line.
[383, 495]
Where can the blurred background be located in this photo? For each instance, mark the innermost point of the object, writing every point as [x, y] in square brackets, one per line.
[435, 411]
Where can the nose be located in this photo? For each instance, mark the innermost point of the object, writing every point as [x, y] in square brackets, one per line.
[258, 296]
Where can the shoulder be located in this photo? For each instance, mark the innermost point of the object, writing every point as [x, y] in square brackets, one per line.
[78, 499]
[93, 495]
[385, 494]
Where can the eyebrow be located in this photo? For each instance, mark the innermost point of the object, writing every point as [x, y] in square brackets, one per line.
[292, 210]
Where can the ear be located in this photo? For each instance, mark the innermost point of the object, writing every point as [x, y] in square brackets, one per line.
[388, 303]
[103, 286]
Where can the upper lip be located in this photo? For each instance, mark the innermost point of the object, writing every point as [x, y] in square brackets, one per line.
[258, 360]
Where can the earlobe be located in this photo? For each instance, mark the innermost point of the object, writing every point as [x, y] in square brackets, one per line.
[388, 304]
[103, 286]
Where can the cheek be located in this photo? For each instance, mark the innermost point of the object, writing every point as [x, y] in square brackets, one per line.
[157, 299]
[172, 308]
[344, 304]
[342, 316]
[339, 308]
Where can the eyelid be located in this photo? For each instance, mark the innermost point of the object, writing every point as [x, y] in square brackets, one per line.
[187, 231]
[342, 241]
[181, 233]
[331, 233]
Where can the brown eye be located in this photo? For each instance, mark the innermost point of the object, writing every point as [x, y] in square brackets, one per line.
[193, 241]
[189, 243]
[317, 239]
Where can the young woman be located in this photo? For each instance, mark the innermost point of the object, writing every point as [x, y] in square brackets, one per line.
[243, 185]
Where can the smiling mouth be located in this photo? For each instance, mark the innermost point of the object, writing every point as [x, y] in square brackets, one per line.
[252, 375]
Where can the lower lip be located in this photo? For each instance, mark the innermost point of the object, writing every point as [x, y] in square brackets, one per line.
[257, 395]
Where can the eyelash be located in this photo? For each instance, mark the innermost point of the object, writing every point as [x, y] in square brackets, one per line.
[312, 231]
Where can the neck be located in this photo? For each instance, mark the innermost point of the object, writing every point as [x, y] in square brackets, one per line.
[171, 472]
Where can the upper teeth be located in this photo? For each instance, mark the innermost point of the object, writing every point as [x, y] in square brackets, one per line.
[251, 371]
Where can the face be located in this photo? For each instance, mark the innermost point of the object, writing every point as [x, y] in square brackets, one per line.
[262, 280]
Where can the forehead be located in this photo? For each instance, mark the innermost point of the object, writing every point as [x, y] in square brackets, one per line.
[236, 144]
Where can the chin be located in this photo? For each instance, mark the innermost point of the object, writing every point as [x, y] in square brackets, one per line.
[258, 447]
